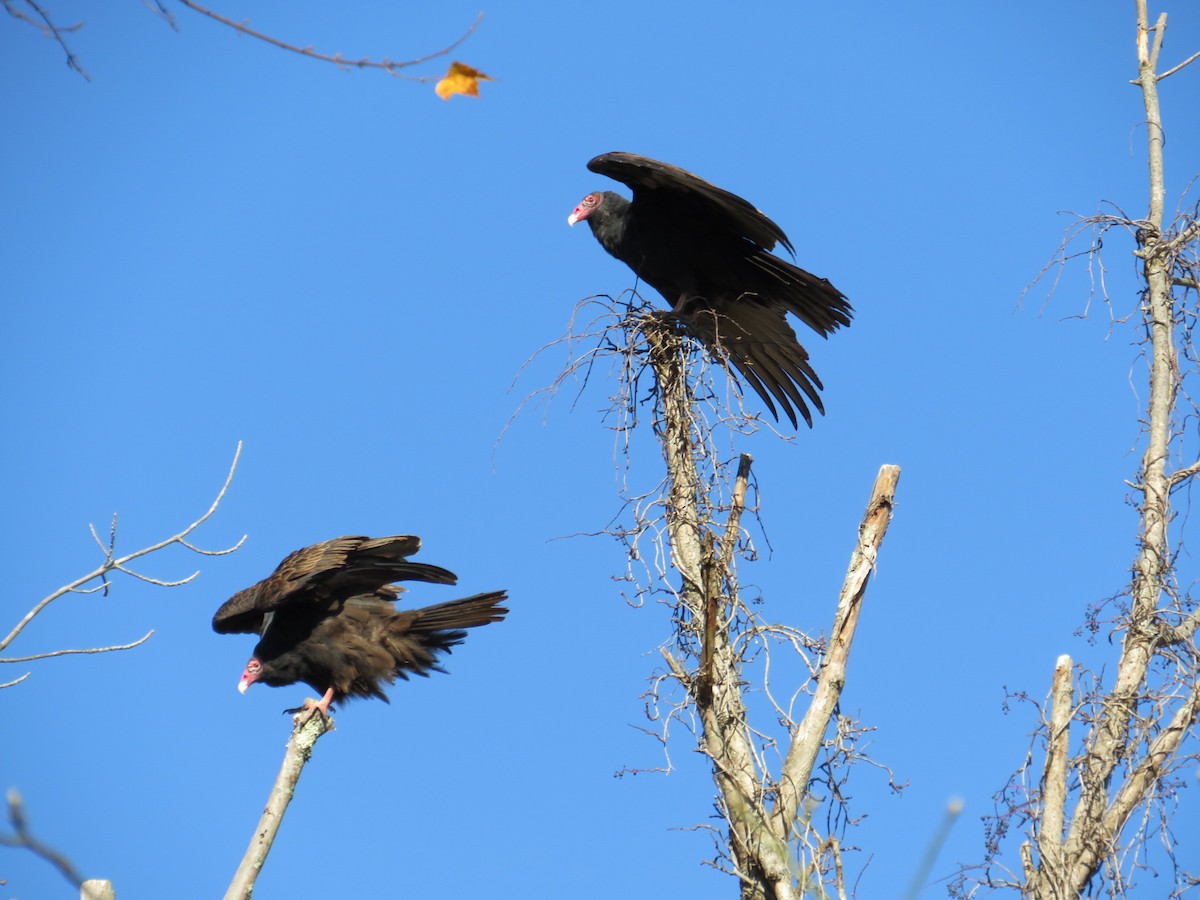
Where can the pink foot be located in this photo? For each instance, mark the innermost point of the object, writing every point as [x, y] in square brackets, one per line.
[312, 707]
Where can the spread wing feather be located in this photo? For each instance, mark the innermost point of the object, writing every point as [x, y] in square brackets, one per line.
[758, 342]
[661, 183]
[336, 569]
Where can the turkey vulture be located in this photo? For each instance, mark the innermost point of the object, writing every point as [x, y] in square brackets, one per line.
[327, 617]
[707, 252]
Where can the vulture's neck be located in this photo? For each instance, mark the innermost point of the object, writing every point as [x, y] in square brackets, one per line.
[608, 222]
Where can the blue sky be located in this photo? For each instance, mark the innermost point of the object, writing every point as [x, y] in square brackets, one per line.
[217, 241]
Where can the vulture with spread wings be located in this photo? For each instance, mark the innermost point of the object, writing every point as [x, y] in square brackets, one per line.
[707, 252]
[327, 617]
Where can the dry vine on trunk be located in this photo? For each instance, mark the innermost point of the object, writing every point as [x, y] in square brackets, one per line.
[1114, 746]
[778, 786]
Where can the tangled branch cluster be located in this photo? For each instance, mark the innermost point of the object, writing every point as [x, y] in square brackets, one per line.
[725, 662]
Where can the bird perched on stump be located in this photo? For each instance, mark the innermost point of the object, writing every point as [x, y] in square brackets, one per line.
[327, 617]
[707, 251]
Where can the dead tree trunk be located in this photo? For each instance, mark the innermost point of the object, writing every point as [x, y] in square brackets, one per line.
[1111, 752]
[1100, 815]
[761, 808]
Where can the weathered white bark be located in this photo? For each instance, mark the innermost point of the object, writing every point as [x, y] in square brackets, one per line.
[1116, 779]
[702, 553]
[810, 735]
[97, 889]
[306, 731]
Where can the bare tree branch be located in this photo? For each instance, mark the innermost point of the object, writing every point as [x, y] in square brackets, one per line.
[48, 654]
[713, 619]
[1179, 476]
[22, 837]
[809, 736]
[41, 20]
[953, 810]
[1187, 235]
[686, 535]
[1113, 751]
[1171, 71]
[387, 65]
[306, 731]
[160, 10]
[121, 564]
[1054, 800]
[1093, 827]
[48, 28]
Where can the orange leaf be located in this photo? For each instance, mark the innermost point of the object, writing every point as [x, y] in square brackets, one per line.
[460, 79]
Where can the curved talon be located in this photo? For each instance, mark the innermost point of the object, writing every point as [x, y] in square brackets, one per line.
[312, 706]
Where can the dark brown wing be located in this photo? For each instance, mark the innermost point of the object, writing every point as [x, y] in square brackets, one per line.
[690, 197]
[367, 645]
[470, 612]
[341, 568]
[760, 344]
[414, 638]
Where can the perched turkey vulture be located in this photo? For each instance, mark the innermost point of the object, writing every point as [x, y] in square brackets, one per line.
[327, 617]
[706, 251]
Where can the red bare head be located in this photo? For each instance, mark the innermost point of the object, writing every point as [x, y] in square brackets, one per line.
[586, 207]
[250, 675]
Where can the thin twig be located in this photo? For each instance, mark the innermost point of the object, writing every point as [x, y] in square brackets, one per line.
[121, 564]
[1171, 71]
[50, 30]
[160, 10]
[23, 837]
[138, 642]
[337, 59]
[1181, 475]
